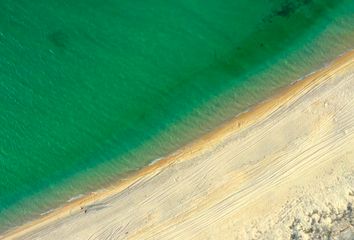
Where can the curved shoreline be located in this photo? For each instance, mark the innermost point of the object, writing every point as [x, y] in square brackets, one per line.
[196, 148]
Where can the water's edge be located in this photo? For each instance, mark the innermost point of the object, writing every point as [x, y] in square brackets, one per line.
[237, 123]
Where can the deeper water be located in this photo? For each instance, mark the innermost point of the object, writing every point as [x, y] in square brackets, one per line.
[91, 90]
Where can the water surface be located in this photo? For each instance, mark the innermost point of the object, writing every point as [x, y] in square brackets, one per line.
[92, 90]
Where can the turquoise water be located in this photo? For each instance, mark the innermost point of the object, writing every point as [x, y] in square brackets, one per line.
[91, 91]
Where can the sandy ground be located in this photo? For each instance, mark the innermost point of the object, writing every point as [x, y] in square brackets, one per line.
[284, 170]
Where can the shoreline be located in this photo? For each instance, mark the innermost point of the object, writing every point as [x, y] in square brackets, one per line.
[196, 148]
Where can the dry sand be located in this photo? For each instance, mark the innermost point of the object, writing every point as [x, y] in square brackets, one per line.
[284, 170]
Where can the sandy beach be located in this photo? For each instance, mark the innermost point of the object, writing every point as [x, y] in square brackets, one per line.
[283, 170]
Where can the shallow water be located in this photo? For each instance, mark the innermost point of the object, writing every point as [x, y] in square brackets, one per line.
[90, 91]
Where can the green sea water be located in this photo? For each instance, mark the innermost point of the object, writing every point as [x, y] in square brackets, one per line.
[91, 90]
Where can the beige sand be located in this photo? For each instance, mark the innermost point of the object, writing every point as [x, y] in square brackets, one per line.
[284, 169]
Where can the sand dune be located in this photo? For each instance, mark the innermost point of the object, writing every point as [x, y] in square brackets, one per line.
[283, 170]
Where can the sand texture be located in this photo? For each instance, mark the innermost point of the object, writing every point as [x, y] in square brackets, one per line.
[284, 170]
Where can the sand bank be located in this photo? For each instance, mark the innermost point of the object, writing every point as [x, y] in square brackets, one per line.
[270, 173]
